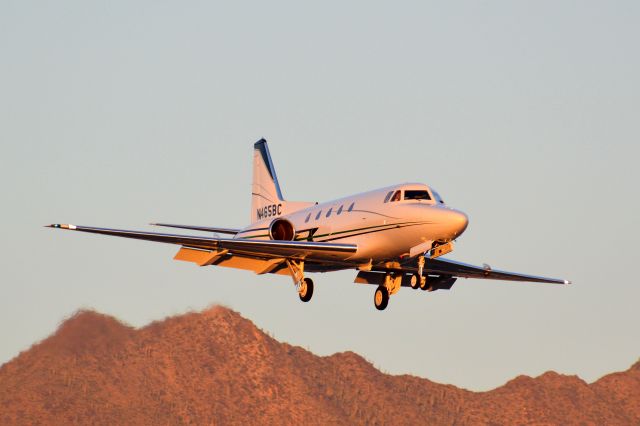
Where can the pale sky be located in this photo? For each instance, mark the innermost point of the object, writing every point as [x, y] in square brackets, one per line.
[525, 115]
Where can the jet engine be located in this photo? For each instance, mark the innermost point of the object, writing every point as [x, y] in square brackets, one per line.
[282, 229]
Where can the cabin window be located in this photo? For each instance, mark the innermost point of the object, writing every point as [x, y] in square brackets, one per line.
[386, 199]
[318, 215]
[396, 196]
[350, 209]
[329, 212]
[307, 219]
[339, 210]
[416, 195]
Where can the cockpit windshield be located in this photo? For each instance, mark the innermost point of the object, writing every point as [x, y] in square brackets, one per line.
[418, 194]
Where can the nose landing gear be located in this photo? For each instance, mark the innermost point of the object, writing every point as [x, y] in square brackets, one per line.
[418, 280]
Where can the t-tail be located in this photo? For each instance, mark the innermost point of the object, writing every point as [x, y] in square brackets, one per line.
[266, 197]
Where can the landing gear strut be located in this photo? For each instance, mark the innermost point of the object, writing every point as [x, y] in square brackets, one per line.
[304, 286]
[421, 279]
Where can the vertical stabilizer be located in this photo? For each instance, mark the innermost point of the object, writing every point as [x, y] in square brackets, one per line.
[266, 197]
[265, 190]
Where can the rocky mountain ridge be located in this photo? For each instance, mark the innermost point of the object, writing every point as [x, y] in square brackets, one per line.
[216, 367]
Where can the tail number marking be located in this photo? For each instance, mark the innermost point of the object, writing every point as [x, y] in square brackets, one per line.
[268, 211]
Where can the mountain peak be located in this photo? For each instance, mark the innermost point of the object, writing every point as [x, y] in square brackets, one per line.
[88, 331]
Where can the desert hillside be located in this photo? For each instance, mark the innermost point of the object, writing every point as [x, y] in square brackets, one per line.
[216, 367]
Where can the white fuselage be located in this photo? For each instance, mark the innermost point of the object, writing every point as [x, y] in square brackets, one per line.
[381, 227]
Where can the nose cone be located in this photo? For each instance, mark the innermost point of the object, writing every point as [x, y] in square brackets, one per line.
[458, 222]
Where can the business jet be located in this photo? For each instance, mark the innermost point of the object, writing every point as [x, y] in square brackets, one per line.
[393, 236]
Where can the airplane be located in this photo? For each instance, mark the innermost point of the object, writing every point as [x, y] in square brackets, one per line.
[393, 236]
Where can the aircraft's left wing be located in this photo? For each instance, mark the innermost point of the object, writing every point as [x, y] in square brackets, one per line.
[464, 270]
[452, 268]
[259, 249]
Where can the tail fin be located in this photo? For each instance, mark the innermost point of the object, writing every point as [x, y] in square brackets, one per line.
[266, 197]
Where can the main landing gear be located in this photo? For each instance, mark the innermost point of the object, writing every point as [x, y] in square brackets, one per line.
[304, 286]
[391, 285]
[305, 290]
[393, 281]
[381, 298]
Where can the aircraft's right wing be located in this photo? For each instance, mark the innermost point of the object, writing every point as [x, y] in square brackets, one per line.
[258, 249]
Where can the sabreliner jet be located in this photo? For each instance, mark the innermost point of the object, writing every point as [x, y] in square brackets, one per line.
[393, 236]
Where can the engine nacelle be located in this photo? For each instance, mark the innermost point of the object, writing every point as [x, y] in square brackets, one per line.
[282, 229]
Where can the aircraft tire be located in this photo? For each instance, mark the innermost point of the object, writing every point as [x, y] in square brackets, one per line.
[415, 281]
[305, 296]
[381, 298]
[425, 286]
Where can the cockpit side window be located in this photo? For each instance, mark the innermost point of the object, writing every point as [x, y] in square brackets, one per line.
[396, 196]
[386, 199]
[416, 195]
[437, 196]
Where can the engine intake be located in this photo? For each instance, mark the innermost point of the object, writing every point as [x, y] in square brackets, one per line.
[282, 229]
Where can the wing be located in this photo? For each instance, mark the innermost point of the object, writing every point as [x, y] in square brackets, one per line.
[464, 270]
[452, 268]
[258, 249]
[199, 228]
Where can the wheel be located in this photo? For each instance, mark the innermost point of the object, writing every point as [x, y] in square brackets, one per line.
[381, 298]
[423, 284]
[306, 290]
[415, 281]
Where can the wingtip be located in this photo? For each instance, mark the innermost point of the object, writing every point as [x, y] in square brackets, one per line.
[60, 226]
[567, 282]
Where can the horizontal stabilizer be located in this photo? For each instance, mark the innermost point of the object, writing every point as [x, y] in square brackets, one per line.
[230, 231]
